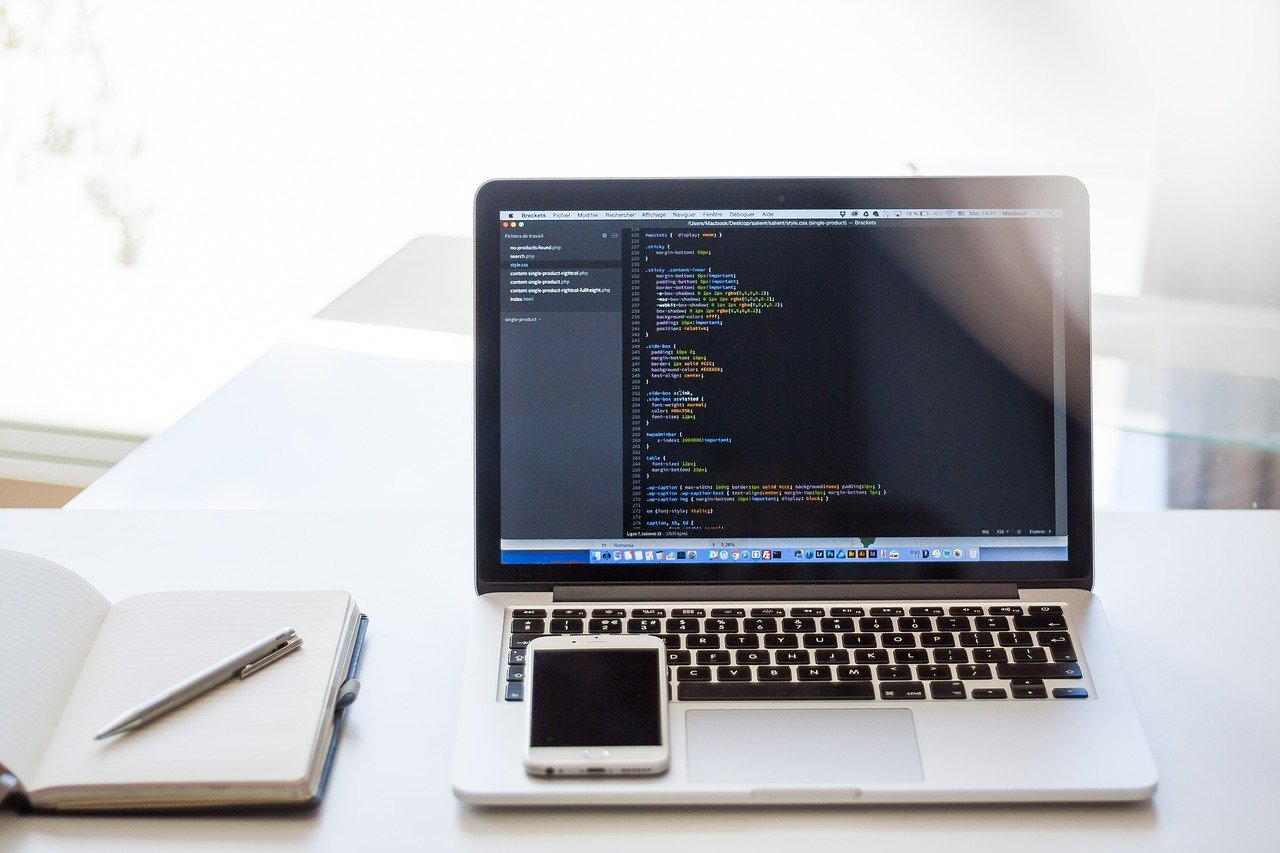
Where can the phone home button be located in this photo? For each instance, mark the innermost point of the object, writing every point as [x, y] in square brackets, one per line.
[595, 753]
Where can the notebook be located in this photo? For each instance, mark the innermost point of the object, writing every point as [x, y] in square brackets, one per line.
[829, 438]
[73, 662]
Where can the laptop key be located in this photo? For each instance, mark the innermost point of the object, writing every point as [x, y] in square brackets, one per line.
[604, 626]
[528, 613]
[808, 611]
[751, 656]
[799, 626]
[671, 641]
[991, 623]
[902, 690]
[954, 623]
[741, 641]
[781, 641]
[648, 613]
[820, 641]
[1063, 654]
[853, 673]
[515, 673]
[760, 625]
[974, 671]
[915, 623]
[1031, 654]
[971, 639]
[934, 672]
[693, 673]
[1005, 610]
[870, 656]
[644, 626]
[937, 639]
[875, 623]
[774, 673]
[519, 641]
[887, 611]
[773, 612]
[1014, 638]
[609, 613]
[721, 626]
[852, 641]
[569, 613]
[893, 672]
[517, 657]
[800, 690]
[814, 673]
[1040, 622]
[713, 657]
[950, 656]
[1028, 688]
[946, 690]
[689, 612]
[528, 626]
[791, 656]
[836, 624]
[728, 612]
[566, 626]
[514, 692]
[1070, 693]
[683, 626]
[965, 611]
[848, 611]
[990, 693]
[733, 673]
[1044, 608]
[990, 656]
[897, 640]
[910, 656]
[831, 656]
[926, 611]
[678, 658]
[702, 641]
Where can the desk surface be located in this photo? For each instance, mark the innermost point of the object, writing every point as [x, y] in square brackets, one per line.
[1210, 722]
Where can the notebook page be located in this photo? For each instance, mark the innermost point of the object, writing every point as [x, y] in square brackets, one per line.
[261, 729]
[48, 618]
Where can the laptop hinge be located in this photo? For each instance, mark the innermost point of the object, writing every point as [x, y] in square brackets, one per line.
[787, 592]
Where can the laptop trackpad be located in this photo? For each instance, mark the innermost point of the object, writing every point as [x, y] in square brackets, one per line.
[823, 746]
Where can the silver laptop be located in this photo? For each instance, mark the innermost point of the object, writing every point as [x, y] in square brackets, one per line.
[829, 439]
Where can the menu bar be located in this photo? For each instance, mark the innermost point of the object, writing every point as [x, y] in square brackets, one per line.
[782, 213]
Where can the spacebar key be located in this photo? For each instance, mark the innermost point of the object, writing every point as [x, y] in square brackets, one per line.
[694, 691]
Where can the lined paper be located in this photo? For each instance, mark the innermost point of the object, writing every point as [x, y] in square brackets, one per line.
[263, 729]
[48, 619]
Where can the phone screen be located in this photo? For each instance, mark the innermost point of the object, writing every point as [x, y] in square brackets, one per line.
[595, 697]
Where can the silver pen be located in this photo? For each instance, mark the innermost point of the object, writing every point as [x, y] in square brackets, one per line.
[244, 663]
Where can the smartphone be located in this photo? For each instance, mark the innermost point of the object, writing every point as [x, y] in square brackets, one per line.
[596, 705]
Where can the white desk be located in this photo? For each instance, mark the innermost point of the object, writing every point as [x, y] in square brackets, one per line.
[343, 451]
[1211, 722]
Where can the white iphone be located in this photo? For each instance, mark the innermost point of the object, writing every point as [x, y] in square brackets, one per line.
[597, 705]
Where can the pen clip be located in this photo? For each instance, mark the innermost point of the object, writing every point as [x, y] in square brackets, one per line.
[288, 644]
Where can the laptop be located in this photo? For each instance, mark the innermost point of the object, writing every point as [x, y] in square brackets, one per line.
[829, 439]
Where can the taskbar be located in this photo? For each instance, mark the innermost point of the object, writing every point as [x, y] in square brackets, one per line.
[661, 556]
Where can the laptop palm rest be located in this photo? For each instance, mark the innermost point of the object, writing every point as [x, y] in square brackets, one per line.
[832, 747]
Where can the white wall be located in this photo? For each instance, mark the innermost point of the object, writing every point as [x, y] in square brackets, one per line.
[287, 148]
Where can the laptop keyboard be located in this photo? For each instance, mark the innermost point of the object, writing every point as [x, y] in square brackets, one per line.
[911, 651]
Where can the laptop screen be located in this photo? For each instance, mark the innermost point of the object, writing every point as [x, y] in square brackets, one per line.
[841, 386]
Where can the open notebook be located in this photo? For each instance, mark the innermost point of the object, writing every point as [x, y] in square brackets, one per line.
[72, 661]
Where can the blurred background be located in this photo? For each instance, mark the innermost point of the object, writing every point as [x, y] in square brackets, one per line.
[182, 184]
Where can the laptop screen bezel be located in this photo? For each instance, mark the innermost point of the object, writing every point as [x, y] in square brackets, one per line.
[1067, 193]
